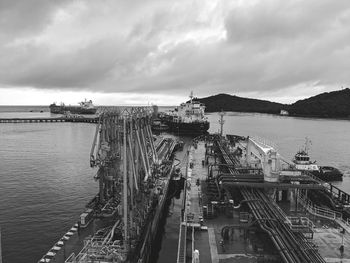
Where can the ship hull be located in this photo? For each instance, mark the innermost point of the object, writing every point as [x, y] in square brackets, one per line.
[328, 174]
[188, 128]
[72, 109]
[152, 230]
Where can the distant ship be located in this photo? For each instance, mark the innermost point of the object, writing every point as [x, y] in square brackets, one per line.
[85, 107]
[188, 118]
[284, 113]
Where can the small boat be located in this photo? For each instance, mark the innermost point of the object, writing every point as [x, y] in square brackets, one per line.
[303, 163]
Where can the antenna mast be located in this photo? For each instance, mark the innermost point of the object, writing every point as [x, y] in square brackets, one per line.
[191, 96]
[222, 121]
[307, 144]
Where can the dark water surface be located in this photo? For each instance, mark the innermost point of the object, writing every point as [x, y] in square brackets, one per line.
[46, 180]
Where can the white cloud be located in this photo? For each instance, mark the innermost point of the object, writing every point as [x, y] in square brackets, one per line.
[30, 96]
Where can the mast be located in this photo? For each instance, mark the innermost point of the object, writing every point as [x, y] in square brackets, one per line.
[307, 145]
[191, 96]
[222, 121]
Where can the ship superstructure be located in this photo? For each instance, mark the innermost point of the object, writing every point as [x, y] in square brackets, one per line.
[187, 118]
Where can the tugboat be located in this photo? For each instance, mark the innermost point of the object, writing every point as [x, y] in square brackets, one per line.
[86, 107]
[188, 118]
[303, 163]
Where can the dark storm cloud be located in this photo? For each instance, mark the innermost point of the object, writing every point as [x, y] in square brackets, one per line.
[175, 46]
[73, 70]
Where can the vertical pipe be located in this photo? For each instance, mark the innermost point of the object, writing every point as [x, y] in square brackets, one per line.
[130, 177]
[132, 162]
[137, 159]
[92, 152]
[144, 145]
[100, 138]
[125, 185]
[149, 132]
[143, 155]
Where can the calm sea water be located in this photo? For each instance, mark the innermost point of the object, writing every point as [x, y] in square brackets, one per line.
[45, 178]
[45, 182]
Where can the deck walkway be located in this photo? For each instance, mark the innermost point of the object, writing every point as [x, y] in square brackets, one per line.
[193, 193]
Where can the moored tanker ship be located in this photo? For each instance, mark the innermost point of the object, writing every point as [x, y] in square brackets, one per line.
[188, 118]
[85, 107]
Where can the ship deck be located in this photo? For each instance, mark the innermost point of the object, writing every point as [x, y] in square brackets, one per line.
[227, 236]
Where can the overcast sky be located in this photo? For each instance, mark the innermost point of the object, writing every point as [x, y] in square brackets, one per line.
[157, 51]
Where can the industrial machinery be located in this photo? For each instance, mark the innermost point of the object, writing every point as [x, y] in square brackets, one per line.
[134, 169]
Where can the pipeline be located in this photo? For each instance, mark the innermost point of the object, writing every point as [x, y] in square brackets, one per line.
[291, 247]
[262, 217]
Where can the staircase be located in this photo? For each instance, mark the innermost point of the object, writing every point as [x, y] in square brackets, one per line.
[213, 191]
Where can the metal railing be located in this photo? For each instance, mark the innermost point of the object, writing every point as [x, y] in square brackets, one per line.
[317, 210]
[297, 223]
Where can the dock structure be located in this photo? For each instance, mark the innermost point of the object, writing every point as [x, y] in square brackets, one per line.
[50, 120]
[229, 193]
[133, 173]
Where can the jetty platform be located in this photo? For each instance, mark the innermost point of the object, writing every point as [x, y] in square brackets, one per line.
[48, 120]
[227, 220]
[134, 170]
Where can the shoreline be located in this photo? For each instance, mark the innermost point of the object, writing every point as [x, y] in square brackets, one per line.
[296, 116]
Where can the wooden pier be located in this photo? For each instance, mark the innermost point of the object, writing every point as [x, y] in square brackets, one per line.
[47, 120]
